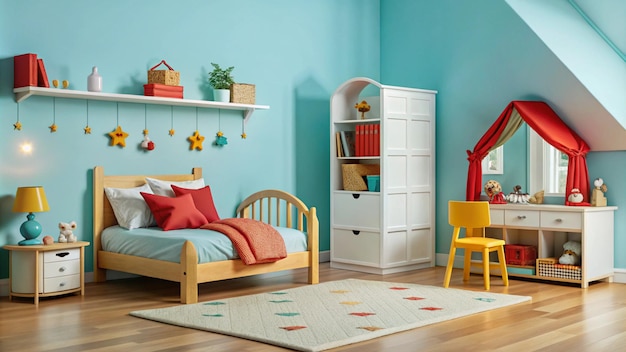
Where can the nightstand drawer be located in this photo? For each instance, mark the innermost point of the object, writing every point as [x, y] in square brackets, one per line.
[61, 283]
[561, 220]
[64, 254]
[64, 268]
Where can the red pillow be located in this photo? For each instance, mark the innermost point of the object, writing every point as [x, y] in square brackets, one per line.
[202, 198]
[174, 213]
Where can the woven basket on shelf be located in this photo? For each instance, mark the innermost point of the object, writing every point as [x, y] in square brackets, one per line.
[353, 175]
[242, 93]
[168, 77]
[550, 267]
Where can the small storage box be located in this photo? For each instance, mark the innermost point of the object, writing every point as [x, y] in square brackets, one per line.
[168, 77]
[520, 254]
[550, 267]
[354, 175]
[162, 90]
[242, 93]
[373, 183]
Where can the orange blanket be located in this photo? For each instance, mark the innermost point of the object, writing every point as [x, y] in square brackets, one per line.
[256, 242]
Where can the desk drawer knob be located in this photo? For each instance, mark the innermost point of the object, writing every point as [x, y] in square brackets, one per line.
[521, 217]
[559, 220]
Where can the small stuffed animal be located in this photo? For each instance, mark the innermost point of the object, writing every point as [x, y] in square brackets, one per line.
[571, 253]
[66, 234]
[493, 190]
[575, 196]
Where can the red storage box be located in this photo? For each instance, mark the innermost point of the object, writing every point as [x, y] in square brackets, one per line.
[520, 254]
[162, 90]
[25, 70]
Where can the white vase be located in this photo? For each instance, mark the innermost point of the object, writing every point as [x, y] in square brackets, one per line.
[94, 81]
[221, 95]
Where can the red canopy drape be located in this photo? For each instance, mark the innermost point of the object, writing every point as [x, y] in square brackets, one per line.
[543, 120]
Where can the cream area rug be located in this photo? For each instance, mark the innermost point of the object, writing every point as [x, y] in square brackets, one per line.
[331, 314]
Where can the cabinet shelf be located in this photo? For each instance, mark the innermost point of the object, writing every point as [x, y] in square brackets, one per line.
[24, 93]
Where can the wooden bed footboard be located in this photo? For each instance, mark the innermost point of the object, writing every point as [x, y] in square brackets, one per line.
[274, 207]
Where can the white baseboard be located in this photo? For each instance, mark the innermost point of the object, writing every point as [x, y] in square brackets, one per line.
[324, 256]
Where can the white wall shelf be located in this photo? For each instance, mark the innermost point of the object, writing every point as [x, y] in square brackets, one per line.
[24, 93]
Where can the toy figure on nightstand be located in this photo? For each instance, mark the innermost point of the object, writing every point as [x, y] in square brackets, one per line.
[67, 235]
[597, 195]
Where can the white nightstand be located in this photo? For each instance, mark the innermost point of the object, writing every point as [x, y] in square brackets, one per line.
[46, 270]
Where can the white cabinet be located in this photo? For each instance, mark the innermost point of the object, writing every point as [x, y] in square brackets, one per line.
[393, 229]
[547, 228]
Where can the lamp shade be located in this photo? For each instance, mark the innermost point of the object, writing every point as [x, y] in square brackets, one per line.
[30, 200]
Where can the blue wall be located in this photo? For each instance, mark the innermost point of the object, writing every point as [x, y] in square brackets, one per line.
[295, 52]
[480, 56]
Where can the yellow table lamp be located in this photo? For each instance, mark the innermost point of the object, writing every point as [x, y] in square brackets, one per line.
[30, 200]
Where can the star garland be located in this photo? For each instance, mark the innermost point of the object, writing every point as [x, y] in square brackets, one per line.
[196, 139]
[87, 129]
[18, 125]
[172, 131]
[53, 127]
[220, 140]
[118, 136]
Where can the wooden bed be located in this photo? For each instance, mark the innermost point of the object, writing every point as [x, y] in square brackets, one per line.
[270, 206]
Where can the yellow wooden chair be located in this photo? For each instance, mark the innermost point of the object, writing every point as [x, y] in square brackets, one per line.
[474, 217]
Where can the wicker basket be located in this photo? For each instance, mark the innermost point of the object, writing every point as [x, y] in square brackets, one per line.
[242, 93]
[550, 267]
[168, 77]
[353, 175]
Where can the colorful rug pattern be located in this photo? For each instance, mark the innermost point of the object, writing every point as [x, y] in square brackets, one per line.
[331, 314]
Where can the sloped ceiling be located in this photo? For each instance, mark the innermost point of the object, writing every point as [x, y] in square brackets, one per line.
[588, 37]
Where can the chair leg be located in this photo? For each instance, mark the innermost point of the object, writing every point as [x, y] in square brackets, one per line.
[503, 270]
[486, 268]
[467, 264]
[446, 279]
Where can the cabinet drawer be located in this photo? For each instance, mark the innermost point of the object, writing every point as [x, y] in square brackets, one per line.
[360, 212]
[63, 254]
[521, 218]
[561, 220]
[64, 268]
[361, 248]
[497, 217]
[61, 283]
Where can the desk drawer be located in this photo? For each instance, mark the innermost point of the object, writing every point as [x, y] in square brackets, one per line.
[521, 218]
[497, 217]
[561, 220]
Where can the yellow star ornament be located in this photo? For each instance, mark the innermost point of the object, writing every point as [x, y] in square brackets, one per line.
[17, 126]
[118, 137]
[196, 141]
[172, 132]
[87, 129]
[53, 128]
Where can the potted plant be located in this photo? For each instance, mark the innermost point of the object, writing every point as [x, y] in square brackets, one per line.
[221, 79]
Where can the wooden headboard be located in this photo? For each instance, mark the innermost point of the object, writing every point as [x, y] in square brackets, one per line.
[103, 215]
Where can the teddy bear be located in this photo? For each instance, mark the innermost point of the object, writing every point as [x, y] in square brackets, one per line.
[493, 190]
[66, 235]
[571, 253]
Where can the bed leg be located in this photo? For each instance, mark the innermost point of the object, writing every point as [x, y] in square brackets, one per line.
[189, 274]
[99, 275]
[314, 253]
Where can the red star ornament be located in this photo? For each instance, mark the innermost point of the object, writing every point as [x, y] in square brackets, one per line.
[196, 141]
[118, 137]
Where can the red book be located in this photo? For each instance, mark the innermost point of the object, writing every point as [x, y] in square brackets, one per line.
[366, 140]
[358, 140]
[377, 140]
[25, 70]
[42, 76]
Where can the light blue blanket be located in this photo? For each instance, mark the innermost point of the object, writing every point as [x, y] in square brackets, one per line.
[212, 246]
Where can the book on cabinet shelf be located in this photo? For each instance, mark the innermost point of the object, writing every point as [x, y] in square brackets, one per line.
[367, 140]
[339, 145]
[347, 142]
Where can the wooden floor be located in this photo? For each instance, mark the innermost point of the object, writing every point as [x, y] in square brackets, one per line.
[560, 318]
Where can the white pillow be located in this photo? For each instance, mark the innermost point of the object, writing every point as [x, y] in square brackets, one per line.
[164, 188]
[129, 207]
